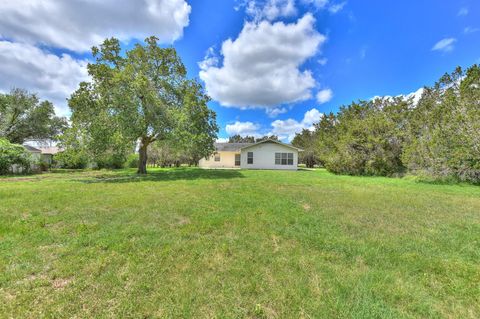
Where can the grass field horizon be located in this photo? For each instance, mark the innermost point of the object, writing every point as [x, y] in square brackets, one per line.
[195, 243]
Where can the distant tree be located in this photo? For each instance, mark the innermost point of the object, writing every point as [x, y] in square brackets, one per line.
[13, 154]
[444, 129]
[142, 96]
[306, 140]
[326, 139]
[239, 139]
[266, 137]
[23, 116]
[438, 137]
[365, 138]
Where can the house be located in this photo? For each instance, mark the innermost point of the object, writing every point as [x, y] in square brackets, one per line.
[46, 148]
[42, 156]
[35, 153]
[267, 154]
[48, 153]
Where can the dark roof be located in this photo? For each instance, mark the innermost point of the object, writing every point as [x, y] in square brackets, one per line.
[32, 149]
[230, 147]
[236, 147]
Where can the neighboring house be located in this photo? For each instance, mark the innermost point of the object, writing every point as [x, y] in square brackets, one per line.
[47, 149]
[268, 154]
[34, 152]
[48, 153]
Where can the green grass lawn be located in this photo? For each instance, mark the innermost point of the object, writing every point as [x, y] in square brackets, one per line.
[192, 243]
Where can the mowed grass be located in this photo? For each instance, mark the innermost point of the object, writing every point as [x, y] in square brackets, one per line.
[192, 243]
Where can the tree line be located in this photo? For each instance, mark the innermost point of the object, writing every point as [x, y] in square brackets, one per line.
[142, 100]
[135, 99]
[438, 137]
[250, 139]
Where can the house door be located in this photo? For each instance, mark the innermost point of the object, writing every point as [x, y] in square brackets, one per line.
[237, 159]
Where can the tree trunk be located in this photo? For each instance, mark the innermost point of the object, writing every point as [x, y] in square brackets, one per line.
[142, 162]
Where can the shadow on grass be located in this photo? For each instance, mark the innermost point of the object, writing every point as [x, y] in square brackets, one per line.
[164, 175]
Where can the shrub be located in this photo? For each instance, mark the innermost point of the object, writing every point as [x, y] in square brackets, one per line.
[71, 158]
[132, 161]
[13, 154]
[112, 161]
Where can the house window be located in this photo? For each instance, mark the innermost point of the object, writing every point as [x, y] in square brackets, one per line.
[283, 158]
[217, 157]
[250, 158]
[237, 159]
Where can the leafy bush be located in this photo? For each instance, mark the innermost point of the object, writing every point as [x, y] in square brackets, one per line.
[436, 138]
[13, 154]
[71, 158]
[365, 138]
[111, 161]
[132, 161]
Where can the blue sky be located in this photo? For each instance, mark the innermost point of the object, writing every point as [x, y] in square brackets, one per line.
[271, 66]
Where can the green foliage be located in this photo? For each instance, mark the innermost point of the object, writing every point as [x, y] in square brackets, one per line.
[71, 158]
[444, 129]
[267, 137]
[111, 160]
[13, 154]
[132, 161]
[142, 96]
[250, 139]
[365, 138]
[241, 139]
[439, 137]
[23, 116]
[306, 141]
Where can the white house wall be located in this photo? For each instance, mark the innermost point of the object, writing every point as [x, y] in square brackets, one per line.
[264, 156]
[227, 160]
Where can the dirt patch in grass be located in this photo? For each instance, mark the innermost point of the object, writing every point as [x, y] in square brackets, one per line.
[306, 207]
[61, 283]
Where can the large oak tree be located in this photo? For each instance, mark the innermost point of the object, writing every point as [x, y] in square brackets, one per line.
[23, 116]
[142, 95]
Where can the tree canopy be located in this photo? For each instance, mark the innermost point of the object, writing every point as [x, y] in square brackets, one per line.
[23, 117]
[141, 96]
[250, 139]
[306, 141]
[438, 137]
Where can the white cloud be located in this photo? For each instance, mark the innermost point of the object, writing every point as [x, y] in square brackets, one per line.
[469, 30]
[270, 9]
[286, 129]
[319, 4]
[261, 68]
[416, 96]
[79, 24]
[242, 128]
[276, 111]
[335, 8]
[463, 11]
[324, 96]
[312, 116]
[445, 45]
[211, 59]
[53, 77]
[363, 52]
[322, 61]
[222, 140]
